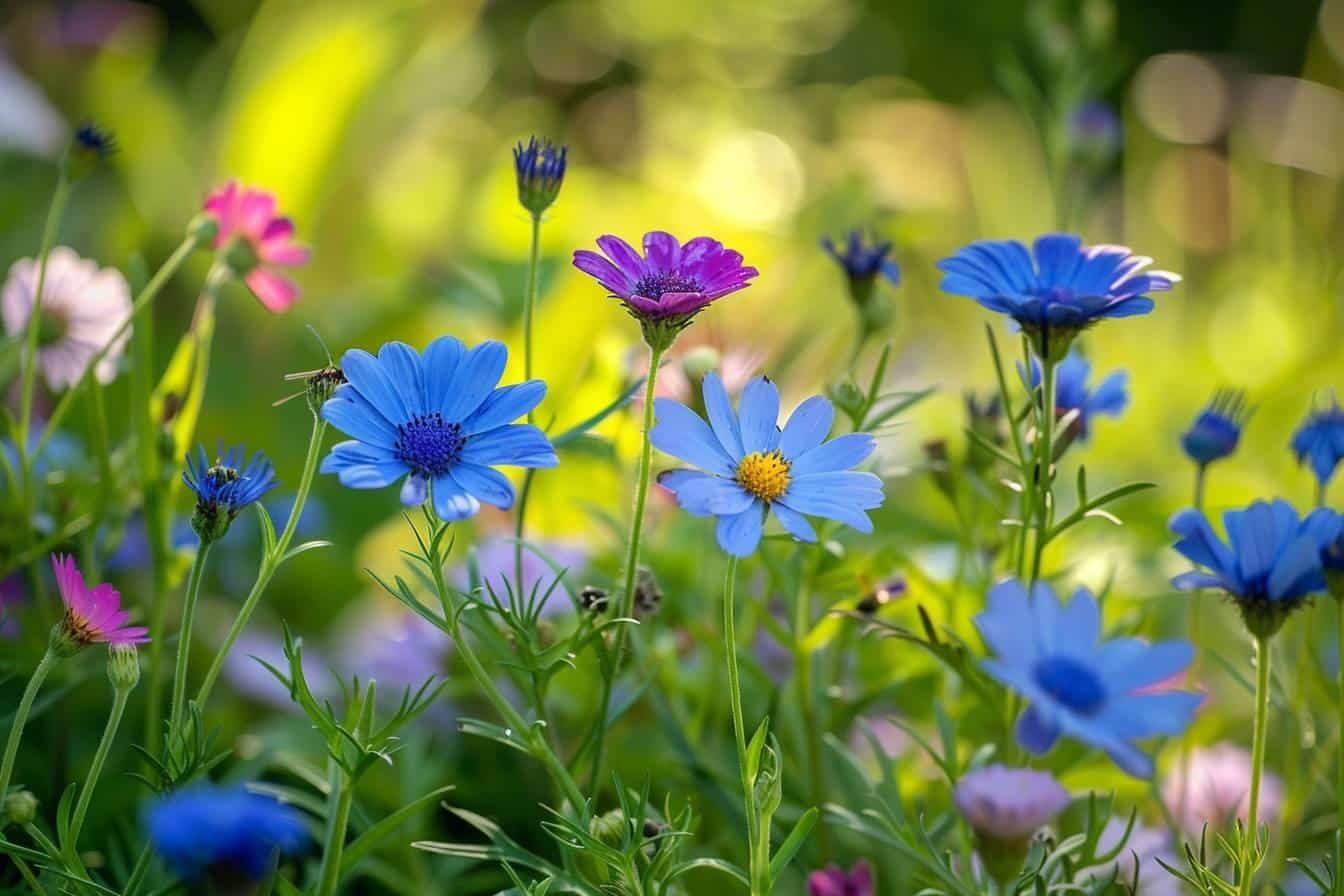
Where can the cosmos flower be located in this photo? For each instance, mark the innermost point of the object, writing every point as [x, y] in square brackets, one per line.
[1072, 393]
[750, 467]
[670, 283]
[204, 828]
[92, 615]
[540, 166]
[1078, 684]
[1270, 566]
[254, 239]
[836, 881]
[1320, 441]
[1215, 432]
[1214, 786]
[1009, 804]
[438, 420]
[863, 263]
[1064, 289]
[83, 307]
[223, 489]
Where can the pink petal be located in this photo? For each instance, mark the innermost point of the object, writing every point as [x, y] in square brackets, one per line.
[255, 211]
[673, 303]
[278, 229]
[284, 253]
[277, 293]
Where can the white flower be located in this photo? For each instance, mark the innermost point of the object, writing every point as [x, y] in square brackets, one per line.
[83, 306]
[1009, 803]
[1218, 779]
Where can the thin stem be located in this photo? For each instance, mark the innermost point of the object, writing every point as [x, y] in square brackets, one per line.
[139, 871]
[21, 717]
[740, 728]
[1045, 431]
[1252, 834]
[119, 698]
[338, 823]
[269, 564]
[529, 301]
[1320, 492]
[1195, 626]
[803, 665]
[179, 704]
[1201, 474]
[631, 567]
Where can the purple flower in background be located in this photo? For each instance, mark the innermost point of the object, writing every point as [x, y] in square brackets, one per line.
[12, 594]
[836, 881]
[396, 646]
[1095, 130]
[495, 560]
[1138, 859]
[1009, 804]
[254, 681]
[1214, 786]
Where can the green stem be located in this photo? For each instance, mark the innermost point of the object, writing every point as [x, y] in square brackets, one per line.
[1195, 627]
[1252, 834]
[21, 717]
[803, 665]
[631, 568]
[269, 564]
[1045, 432]
[759, 877]
[119, 698]
[529, 301]
[179, 704]
[338, 822]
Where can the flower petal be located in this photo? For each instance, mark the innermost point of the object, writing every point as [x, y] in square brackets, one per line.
[721, 417]
[808, 425]
[680, 432]
[759, 415]
[840, 453]
[476, 377]
[485, 484]
[740, 534]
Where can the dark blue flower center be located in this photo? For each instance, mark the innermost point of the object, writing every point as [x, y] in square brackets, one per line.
[1071, 683]
[653, 286]
[429, 445]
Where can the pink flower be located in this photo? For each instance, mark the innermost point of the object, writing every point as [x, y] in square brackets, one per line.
[835, 881]
[1009, 804]
[248, 219]
[1215, 785]
[92, 615]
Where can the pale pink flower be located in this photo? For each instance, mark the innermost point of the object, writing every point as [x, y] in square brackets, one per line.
[92, 615]
[249, 216]
[83, 307]
[1009, 804]
[1214, 786]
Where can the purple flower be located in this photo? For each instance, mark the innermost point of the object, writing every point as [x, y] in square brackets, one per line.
[836, 881]
[254, 681]
[1095, 129]
[12, 593]
[670, 283]
[398, 648]
[1009, 804]
[495, 561]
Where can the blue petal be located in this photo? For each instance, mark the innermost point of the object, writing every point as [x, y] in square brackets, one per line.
[1298, 570]
[1057, 258]
[414, 490]
[441, 361]
[1199, 544]
[362, 466]
[1046, 612]
[817, 502]
[759, 415]
[484, 484]
[840, 453]
[451, 501]
[675, 479]
[721, 416]
[367, 375]
[1037, 730]
[740, 534]
[1131, 759]
[1001, 623]
[402, 365]
[1128, 664]
[1194, 580]
[863, 490]
[350, 418]
[1079, 625]
[680, 432]
[794, 523]
[477, 375]
[504, 405]
[1256, 539]
[516, 445]
[713, 496]
[1111, 396]
[808, 425]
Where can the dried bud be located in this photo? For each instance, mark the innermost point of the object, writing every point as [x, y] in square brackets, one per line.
[595, 600]
[648, 597]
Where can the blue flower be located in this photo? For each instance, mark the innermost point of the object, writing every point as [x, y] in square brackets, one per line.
[1095, 130]
[93, 141]
[1215, 432]
[1270, 565]
[1067, 287]
[223, 489]
[1072, 393]
[204, 827]
[540, 166]
[1320, 439]
[752, 467]
[1100, 692]
[437, 419]
[862, 264]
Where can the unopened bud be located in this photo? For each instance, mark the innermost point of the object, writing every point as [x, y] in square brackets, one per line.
[595, 600]
[123, 666]
[20, 807]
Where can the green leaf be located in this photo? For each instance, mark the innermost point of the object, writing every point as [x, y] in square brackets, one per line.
[370, 838]
[792, 843]
[574, 432]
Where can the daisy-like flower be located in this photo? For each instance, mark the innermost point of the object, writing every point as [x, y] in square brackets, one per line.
[1270, 565]
[1064, 289]
[540, 166]
[750, 467]
[1320, 441]
[82, 308]
[863, 263]
[1009, 804]
[92, 615]
[438, 420]
[223, 489]
[204, 831]
[1214, 787]
[836, 881]
[670, 283]
[1100, 692]
[1072, 394]
[254, 239]
[1215, 432]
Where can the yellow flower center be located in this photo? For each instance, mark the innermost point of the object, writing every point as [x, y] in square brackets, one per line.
[764, 475]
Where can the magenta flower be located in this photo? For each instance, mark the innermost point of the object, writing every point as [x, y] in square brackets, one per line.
[257, 240]
[836, 881]
[671, 282]
[92, 615]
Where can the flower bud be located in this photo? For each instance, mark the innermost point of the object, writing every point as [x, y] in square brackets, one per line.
[123, 666]
[203, 229]
[595, 600]
[89, 147]
[20, 807]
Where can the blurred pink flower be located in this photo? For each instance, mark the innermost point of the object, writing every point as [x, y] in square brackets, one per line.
[1009, 804]
[1215, 787]
[835, 881]
[247, 217]
[92, 615]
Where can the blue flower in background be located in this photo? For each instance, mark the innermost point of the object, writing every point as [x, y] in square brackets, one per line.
[1065, 288]
[1270, 564]
[1095, 130]
[751, 467]
[540, 166]
[1216, 431]
[230, 829]
[1320, 440]
[223, 489]
[862, 264]
[1110, 398]
[1100, 692]
[438, 420]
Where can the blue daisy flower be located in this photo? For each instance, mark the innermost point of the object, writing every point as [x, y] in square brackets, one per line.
[205, 828]
[438, 420]
[863, 263]
[1214, 434]
[750, 467]
[1270, 564]
[1320, 440]
[1100, 692]
[1110, 397]
[1065, 288]
[224, 488]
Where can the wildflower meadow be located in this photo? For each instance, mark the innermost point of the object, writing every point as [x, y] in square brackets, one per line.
[628, 449]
